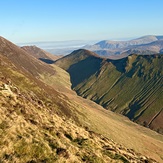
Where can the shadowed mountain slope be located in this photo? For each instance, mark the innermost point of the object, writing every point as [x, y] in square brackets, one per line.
[131, 86]
[40, 124]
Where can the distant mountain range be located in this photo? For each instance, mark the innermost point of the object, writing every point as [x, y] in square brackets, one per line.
[118, 49]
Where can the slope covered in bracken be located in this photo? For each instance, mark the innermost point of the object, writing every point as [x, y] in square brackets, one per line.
[131, 86]
[39, 123]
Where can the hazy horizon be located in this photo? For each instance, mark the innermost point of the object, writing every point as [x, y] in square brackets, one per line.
[66, 47]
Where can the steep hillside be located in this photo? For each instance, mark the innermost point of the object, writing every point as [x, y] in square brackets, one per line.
[40, 54]
[22, 59]
[40, 124]
[131, 86]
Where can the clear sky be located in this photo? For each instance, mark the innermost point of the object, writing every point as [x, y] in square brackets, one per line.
[58, 20]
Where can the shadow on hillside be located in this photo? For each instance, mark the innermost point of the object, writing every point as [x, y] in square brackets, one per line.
[120, 64]
[48, 61]
[83, 70]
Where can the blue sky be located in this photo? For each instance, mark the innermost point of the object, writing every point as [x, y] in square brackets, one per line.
[58, 20]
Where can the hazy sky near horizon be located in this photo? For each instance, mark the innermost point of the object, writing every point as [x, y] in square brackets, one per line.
[59, 20]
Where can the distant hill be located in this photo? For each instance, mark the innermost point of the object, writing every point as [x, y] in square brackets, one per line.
[131, 86]
[41, 54]
[110, 48]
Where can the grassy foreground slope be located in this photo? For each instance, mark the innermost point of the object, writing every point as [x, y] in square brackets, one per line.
[131, 86]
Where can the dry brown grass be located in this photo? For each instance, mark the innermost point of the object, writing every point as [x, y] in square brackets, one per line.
[120, 129]
[29, 132]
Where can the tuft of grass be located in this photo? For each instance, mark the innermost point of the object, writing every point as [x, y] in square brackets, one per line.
[62, 152]
[4, 125]
[68, 136]
[80, 141]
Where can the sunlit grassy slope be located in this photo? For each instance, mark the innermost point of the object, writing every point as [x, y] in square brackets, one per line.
[131, 86]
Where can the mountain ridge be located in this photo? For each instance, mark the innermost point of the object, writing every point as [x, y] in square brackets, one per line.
[128, 78]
